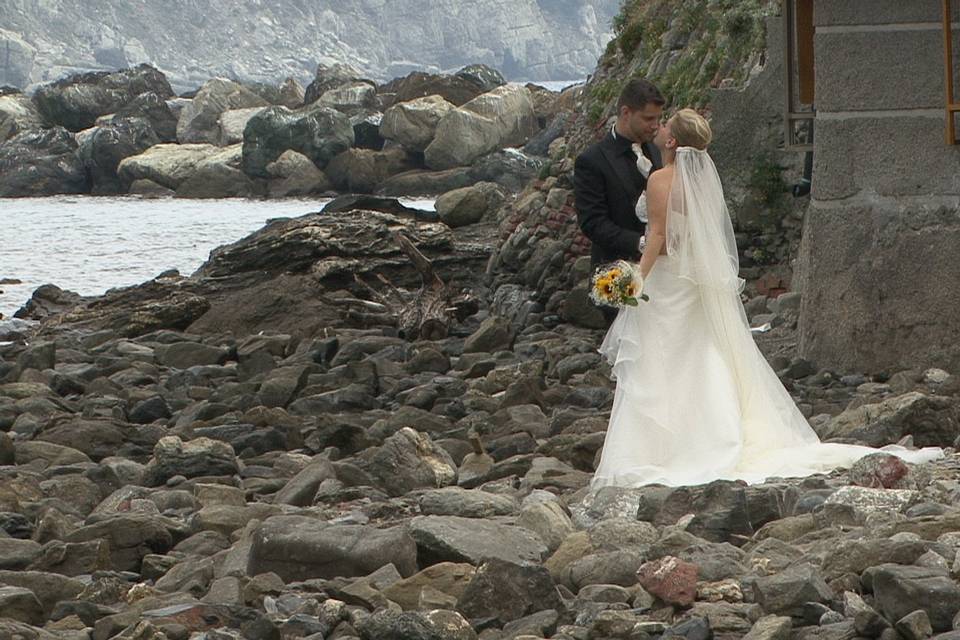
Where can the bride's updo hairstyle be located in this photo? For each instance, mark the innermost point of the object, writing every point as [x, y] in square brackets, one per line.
[690, 129]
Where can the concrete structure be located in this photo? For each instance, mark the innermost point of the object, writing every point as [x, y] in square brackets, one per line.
[880, 261]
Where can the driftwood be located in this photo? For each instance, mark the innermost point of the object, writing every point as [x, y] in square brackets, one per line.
[423, 315]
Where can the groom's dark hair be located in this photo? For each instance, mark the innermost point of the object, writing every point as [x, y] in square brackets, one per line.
[638, 93]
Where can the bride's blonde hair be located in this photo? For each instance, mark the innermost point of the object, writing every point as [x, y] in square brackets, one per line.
[690, 129]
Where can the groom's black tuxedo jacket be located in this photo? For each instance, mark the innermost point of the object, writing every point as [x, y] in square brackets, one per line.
[607, 184]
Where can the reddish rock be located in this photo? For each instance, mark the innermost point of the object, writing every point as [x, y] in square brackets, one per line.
[879, 471]
[670, 579]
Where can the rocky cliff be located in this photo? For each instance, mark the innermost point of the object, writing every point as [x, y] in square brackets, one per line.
[192, 40]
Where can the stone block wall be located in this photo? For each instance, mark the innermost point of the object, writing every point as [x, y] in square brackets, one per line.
[881, 241]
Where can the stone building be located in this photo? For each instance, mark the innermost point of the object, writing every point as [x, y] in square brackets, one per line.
[880, 258]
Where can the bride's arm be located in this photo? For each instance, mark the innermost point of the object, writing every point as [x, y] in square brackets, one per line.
[658, 190]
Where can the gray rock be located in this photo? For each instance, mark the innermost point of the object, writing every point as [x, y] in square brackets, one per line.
[17, 554]
[770, 627]
[469, 205]
[914, 626]
[931, 420]
[786, 592]
[41, 163]
[130, 535]
[506, 591]
[900, 590]
[199, 457]
[318, 132]
[408, 460]
[199, 120]
[183, 355]
[77, 101]
[300, 548]
[168, 165]
[21, 604]
[300, 489]
[18, 114]
[414, 124]
[455, 501]
[103, 148]
[455, 539]
[386, 624]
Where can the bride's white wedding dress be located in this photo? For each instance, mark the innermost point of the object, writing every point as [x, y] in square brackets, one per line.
[696, 401]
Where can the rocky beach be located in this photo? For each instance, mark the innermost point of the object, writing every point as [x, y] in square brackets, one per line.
[374, 422]
[260, 450]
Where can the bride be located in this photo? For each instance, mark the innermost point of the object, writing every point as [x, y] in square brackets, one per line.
[696, 401]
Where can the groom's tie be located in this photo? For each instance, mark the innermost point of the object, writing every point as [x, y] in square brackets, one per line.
[643, 162]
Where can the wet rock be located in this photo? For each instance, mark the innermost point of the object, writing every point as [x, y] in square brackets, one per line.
[154, 108]
[18, 114]
[41, 162]
[77, 101]
[103, 148]
[300, 548]
[318, 132]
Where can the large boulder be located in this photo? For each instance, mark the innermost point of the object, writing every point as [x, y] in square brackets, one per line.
[899, 590]
[103, 148]
[468, 205]
[473, 540]
[320, 133]
[329, 77]
[156, 110]
[17, 114]
[166, 164]
[931, 420]
[457, 89]
[300, 548]
[414, 124]
[200, 119]
[218, 176]
[497, 119]
[294, 174]
[364, 170]
[233, 122]
[199, 457]
[351, 97]
[41, 163]
[77, 101]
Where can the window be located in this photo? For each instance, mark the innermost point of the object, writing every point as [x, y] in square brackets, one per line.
[798, 65]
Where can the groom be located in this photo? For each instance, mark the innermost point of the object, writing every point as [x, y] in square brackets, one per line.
[607, 180]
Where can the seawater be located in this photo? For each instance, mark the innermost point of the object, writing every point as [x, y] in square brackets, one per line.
[91, 244]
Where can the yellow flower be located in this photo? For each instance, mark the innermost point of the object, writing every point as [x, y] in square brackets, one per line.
[631, 290]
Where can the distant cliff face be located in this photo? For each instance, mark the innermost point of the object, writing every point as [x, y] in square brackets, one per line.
[267, 40]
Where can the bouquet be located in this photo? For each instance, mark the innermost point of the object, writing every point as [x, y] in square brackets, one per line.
[618, 285]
